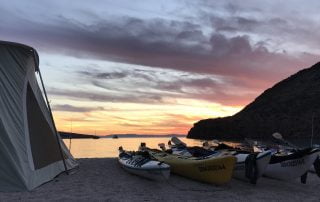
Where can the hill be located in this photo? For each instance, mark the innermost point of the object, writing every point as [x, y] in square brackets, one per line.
[287, 107]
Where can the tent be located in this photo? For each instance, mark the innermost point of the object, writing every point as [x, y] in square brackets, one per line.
[31, 150]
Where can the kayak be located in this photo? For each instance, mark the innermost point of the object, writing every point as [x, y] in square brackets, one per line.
[251, 166]
[142, 164]
[213, 170]
[291, 165]
[315, 168]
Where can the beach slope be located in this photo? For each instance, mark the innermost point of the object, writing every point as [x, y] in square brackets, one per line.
[103, 180]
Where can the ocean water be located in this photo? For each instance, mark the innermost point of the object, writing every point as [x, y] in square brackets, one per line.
[108, 147]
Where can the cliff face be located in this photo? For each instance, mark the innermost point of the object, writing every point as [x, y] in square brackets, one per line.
[287, 107]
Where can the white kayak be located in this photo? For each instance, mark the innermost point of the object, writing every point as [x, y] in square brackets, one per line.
[313, 167]
[141, 164]
[291, 165]
[251, 166]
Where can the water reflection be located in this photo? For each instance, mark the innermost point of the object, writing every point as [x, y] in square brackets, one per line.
[107, 147]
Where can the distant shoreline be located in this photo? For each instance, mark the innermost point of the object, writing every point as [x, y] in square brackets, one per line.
[68, 135]
[141, 136]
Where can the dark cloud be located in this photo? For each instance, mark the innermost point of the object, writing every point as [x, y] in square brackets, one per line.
[103, 97]
[71, 108]
[105, 75]
[136, 73]
[157, 43]
[187, 86]
[234, 24]
[182, 85]
[283, 25]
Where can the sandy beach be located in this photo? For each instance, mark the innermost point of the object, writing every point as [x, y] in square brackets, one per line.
[102, 179]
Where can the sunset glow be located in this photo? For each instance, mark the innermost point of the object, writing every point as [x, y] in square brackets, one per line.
[157, 67]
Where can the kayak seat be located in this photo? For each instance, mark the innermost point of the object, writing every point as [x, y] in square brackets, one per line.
[125, 155]
[200, 152]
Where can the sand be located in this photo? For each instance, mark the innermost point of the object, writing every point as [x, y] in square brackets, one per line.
[104, 180]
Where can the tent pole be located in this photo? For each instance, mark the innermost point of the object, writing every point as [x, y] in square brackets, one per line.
[54, 125]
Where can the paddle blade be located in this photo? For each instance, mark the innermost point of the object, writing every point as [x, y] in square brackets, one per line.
[277, 136]
[177, 141]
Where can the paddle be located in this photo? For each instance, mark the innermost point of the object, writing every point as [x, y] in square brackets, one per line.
[279, 137]
[178, 142]
[209, 146]
[253, 144]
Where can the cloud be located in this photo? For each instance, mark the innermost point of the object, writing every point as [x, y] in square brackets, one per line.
[105, 75]
[178, 45]
[282, 25]
[234, 24]
[99, 97]
[172, 85]
[110, 75]
[232, 50]
[78, 119]
[71, 108]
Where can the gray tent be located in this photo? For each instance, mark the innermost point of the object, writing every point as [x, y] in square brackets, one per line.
[31, 150]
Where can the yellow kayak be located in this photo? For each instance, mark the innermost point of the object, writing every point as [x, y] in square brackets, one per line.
[214, 170]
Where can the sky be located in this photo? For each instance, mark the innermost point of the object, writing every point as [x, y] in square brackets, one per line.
[159, 66]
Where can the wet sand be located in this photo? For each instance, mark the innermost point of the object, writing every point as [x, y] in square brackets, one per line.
[104, 180]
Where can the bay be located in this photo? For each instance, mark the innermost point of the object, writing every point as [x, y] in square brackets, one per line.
[108, 147]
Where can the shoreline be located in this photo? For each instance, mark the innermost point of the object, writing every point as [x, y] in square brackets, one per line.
[102, 179]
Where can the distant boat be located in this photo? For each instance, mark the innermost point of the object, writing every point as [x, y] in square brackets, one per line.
[115, 137]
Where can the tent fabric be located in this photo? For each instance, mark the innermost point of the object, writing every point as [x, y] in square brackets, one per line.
[44, 145]
[29, 150]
